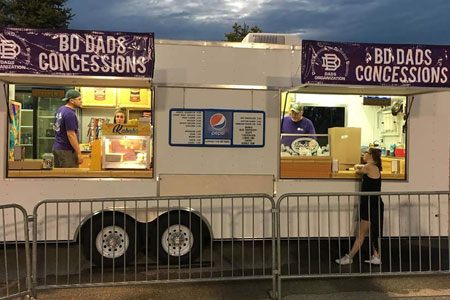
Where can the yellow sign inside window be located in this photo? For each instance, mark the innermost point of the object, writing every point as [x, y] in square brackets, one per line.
[134, 97]
[99, 97]
[121, 129]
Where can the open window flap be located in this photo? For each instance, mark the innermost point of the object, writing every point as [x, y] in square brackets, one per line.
[6, 98]
[87, 81]
[364, 90]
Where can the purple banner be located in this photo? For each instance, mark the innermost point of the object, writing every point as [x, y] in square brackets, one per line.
[375, 64]
[70, 52]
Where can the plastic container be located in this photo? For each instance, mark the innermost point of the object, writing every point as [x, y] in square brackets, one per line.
[392, 150]
[399, 152]
[364, 149]
[335, 166]
[48, 161]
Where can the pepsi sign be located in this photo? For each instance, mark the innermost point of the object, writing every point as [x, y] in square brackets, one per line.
[218, 121]
[219, 124]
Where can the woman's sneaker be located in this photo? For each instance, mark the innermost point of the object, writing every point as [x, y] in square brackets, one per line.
[373, 260]
[345, 260]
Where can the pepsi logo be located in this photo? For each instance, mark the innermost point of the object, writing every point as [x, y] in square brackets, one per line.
[218, 121]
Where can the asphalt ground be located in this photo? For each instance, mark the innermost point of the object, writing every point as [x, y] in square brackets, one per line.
[400, 287]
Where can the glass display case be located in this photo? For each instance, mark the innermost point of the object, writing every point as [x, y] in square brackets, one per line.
[305, 144]
[126, 152]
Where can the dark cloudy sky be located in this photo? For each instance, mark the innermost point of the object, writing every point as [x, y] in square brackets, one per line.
[376, 21]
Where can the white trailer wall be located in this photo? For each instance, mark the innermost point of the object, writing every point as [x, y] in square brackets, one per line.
[215, 160]
[215, 63]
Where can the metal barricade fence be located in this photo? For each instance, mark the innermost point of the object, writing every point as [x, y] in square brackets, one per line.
[411, 234]
[101, 242]
[15, 259]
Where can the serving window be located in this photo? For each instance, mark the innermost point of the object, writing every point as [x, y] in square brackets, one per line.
[343, 127]
[31, 132]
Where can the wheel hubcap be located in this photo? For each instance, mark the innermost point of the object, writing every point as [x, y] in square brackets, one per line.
[112, 242]
[177, 240]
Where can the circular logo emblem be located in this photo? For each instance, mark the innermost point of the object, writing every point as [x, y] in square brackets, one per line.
[218, 121]
[330, 63]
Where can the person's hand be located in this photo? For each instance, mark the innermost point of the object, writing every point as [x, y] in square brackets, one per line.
[80, 159]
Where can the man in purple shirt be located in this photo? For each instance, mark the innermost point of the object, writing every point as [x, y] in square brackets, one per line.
[66, 148]
[297, 124]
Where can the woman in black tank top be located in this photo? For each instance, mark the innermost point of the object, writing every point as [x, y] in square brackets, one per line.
[370, 208]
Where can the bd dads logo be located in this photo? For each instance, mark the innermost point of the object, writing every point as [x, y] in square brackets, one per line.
[120, 129]
[330, 63]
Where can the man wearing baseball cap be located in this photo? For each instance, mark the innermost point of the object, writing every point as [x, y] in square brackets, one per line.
[297, 124]
[66, 148]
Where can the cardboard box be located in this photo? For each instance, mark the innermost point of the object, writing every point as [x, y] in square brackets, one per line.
[345, 145]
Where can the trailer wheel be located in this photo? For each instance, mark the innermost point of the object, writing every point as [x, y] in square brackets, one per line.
[112, 242]
[178, 238]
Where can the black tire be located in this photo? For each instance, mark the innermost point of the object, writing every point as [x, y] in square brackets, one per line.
[123, 228]
[171, 231]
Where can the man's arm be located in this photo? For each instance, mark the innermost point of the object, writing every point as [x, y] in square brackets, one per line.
[73, 139]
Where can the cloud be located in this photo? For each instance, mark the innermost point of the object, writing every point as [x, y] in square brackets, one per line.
[378, 21]
[200, 11]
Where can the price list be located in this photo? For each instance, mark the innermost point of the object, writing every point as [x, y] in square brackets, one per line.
[187, 127]
[248, 129]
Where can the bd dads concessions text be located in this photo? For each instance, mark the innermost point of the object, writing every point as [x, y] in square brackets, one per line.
[402, 66]
[101, 53]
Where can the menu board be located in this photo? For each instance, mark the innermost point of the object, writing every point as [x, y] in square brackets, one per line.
[247, 128]
[216, 128]
[188, 127]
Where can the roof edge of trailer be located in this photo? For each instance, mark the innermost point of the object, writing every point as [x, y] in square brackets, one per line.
[263, 46]
[88, 81]
[312, 88]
